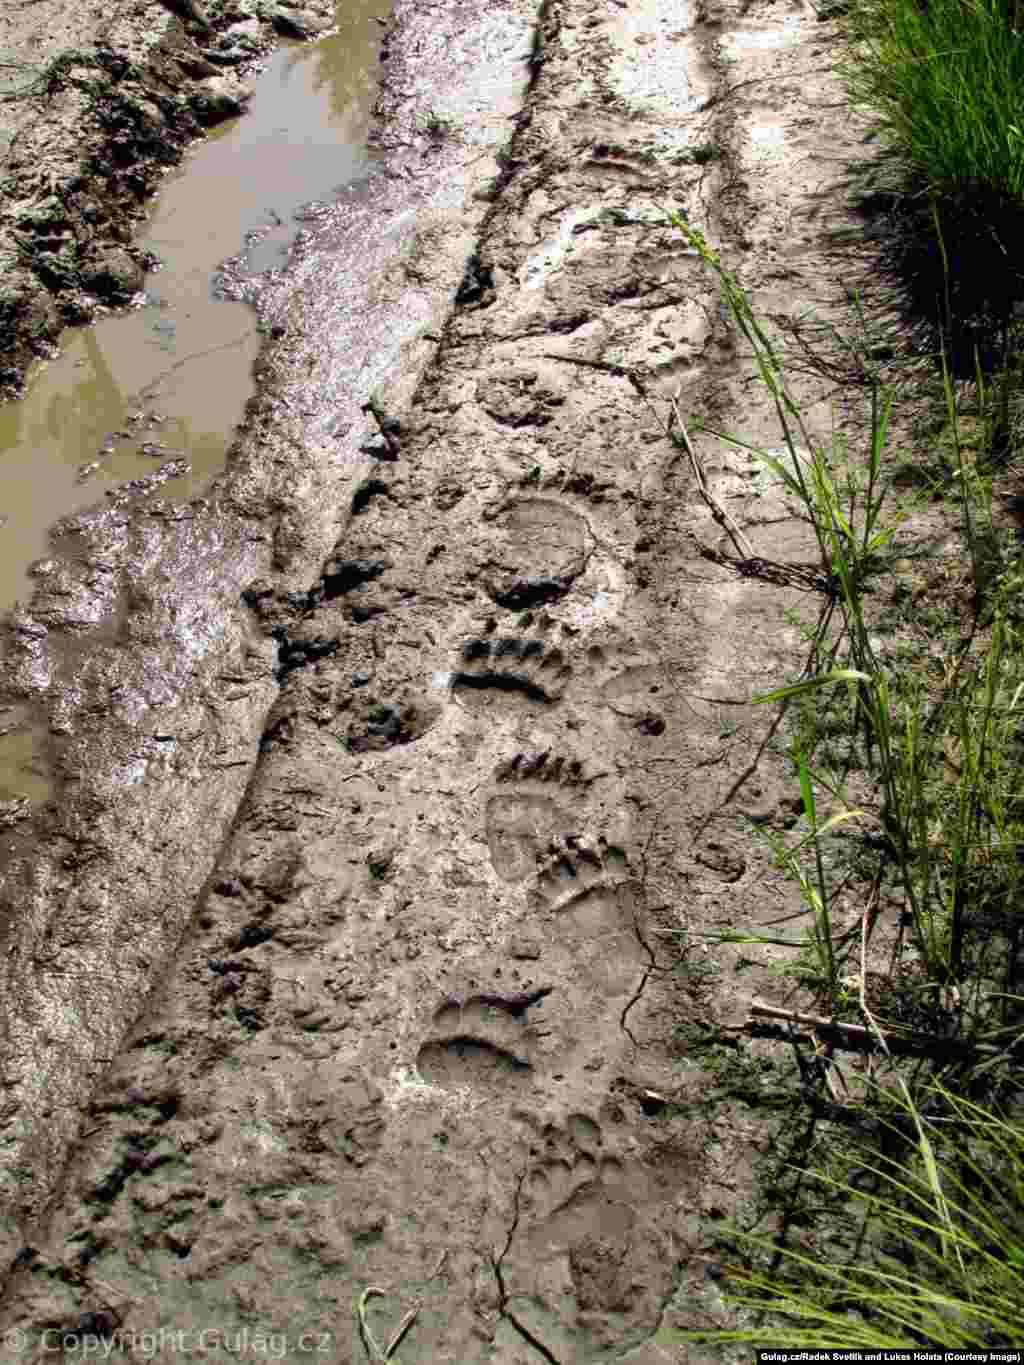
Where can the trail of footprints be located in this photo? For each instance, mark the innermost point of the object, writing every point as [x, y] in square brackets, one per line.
[536, 828]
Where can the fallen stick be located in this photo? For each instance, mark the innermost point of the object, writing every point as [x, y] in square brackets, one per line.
[376, 1353]
[762, 1011]
[816, 1021]
[743, 545]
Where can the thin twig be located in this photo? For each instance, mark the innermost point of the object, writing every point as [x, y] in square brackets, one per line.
[762, 1011]
[743, 545]
[376, 1354]
[815, 1021]
[869, 913]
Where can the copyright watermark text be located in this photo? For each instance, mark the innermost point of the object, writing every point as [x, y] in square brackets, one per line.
[243, 1343]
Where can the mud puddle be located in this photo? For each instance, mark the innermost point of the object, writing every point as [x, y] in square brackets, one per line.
[159, 391]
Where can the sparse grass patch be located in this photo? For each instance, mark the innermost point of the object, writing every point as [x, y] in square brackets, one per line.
[923, 1244]
[702, 154]
[916, 1235]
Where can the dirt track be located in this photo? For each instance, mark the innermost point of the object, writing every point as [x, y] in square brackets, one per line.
[410, 764]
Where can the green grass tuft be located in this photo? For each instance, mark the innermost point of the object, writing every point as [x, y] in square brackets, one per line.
[944, 81]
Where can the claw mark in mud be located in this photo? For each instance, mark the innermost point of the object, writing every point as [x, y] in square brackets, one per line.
[520, 824]
[541, 767]
[544, 552]
[513, 664]
[523, 593]
[338, 578]
[483, 1042]
[571, 867]
[574, 867]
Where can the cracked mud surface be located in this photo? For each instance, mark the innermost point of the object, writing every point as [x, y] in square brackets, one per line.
[409, 791]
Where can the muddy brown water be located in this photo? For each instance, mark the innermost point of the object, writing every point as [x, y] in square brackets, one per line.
[169, 381]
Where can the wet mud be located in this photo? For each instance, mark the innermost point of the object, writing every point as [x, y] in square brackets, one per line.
[388, 779]
[97, 105]
[162, 388]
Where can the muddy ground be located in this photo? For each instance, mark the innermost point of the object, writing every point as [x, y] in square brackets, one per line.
[392, 781]
[98, 101]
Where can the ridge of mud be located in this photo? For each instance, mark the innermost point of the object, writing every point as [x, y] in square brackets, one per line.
[91, 131]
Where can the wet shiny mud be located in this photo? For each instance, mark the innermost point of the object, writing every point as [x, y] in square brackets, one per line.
[164, 387]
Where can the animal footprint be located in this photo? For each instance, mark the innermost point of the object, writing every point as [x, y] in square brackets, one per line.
[516, 665]
[484, 1042]
[521, 822]
[594, 927]
[545, 550]
[648, 697]
[570, 1170]
[590, 1264]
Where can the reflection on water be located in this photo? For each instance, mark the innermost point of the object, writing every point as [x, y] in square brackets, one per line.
[24, 768]
[171, 379]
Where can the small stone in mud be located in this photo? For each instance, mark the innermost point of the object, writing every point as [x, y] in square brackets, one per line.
[100, 1324]
[347, 574]
[113, 275]
[220, 97]
[360, 679]
[221, 966]
[252, 935]
[293, 654]
[296, 23]
[378, 449]
[651, 724]
[477, 283]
